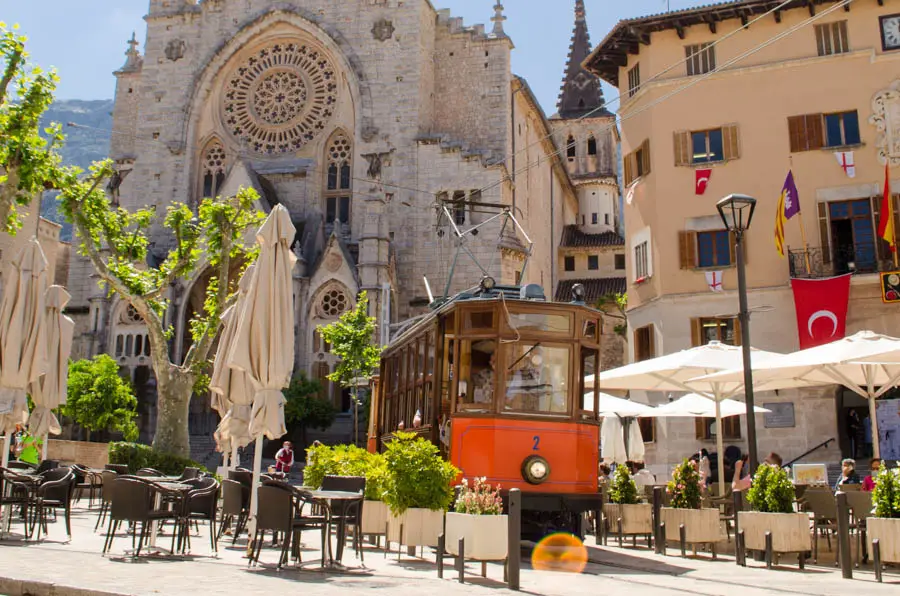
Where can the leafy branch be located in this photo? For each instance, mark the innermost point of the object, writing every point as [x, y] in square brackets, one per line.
[615, 305]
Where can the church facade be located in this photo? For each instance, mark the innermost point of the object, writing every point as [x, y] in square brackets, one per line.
[376, 123]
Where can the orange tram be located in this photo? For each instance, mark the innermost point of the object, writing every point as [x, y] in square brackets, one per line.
[495, 377]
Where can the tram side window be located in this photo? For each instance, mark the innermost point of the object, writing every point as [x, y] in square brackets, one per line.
[477, 378]
[447, 373]
[428, 382]
[537, 378]
[588, 393]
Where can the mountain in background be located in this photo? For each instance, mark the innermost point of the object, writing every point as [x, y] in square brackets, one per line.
[85, 144]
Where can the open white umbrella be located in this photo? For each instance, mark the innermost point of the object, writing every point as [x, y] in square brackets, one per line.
[49, 391]
[694, 405]
[616, 406]
[231, 392]
[23, 346]
[264, 340]
[867, 363]
[675, 372]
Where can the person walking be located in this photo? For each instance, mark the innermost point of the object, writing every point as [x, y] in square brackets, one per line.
[284, 459]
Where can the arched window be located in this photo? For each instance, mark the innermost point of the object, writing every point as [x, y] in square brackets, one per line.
[338, 180]
[570, 147]
[592, 145]
[214, 163]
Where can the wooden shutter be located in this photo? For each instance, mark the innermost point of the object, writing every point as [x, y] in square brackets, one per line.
[815, 132]
[731, 142]
[682, 141]
[737, 331]
[700, 428]
[687, 244]
[797, 133]
[629, 169]
[732, 251]
[696, 333]
[824, 232]
[645, 155]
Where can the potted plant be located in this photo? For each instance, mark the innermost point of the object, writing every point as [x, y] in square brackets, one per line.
[885, 526]
[771, 499]
[626, 516]
[417, 490]
[478, 518]
[701, 526]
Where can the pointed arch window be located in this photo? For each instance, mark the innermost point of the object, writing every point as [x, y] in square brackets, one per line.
[592, 145]
[215, 161]
[570, 147]
[338, 180]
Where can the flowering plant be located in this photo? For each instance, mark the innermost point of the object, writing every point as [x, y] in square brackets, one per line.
[481, 499]
[685, 487]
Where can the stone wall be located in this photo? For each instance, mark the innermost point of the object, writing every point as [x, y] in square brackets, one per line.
[91, 455]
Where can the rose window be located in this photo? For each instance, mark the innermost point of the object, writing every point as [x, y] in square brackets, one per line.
[339, 150]
[280, 98]
[215, 159]
[334, 303]
[131, 317]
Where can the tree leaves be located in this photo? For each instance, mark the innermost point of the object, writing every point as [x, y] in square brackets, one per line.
[99, 399]
[351, 339]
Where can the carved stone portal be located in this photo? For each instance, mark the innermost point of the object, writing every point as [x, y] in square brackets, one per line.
[175, 50]
[383, 30]
[886, 119]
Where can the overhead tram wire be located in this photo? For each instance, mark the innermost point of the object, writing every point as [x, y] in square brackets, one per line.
[695, 80]
[618, 98]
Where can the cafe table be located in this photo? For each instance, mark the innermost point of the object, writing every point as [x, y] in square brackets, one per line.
[336, 503]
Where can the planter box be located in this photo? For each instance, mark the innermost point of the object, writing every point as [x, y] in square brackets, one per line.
[790, 531]
[92, 455]
[374, 517]
[636, 519]
[486, 536]
[700, 525]
[421, 527]
[887, 532]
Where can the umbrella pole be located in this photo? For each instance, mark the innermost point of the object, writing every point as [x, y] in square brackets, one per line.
[254, 494]
[44, 446]
[720, 447]
[873, 416]
[6, 441]
[235, 461]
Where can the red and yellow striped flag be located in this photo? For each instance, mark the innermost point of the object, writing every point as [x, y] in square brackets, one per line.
[886, 225]
[780, 220]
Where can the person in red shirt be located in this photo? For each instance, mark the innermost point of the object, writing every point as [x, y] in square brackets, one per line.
[284, 459]
[868, 484]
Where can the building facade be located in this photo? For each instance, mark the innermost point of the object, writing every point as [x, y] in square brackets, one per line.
[365, 118]
[817, 87]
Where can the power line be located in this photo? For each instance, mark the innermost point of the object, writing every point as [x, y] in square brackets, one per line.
[696, 80]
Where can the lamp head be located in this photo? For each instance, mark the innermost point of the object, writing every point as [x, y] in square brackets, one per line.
[578, 293]
[736, 212]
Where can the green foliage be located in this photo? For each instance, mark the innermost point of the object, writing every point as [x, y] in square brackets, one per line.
[622, 489]
[351, 341]
[29, 161]
[417, 476]
[346, 460]
[887, 493]
[480, 499]
[304, 408]
[684, 487]
[771, 491]
[99, 399]
[137, 456]
[615, 305]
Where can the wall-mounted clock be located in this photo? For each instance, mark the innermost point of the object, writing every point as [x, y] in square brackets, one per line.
[890, 32]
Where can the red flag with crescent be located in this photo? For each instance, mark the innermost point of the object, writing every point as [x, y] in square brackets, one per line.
[821, 306]
[702, 180]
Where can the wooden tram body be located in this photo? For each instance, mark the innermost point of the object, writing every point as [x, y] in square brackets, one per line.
[498, 382]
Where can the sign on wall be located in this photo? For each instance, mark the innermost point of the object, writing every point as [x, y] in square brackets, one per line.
[890, 287]
[781, 416]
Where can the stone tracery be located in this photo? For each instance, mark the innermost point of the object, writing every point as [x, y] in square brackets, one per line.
[280, 98]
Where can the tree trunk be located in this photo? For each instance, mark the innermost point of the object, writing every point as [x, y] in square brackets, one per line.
[174, 389]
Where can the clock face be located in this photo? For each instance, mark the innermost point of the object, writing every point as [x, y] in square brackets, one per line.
[890, 32]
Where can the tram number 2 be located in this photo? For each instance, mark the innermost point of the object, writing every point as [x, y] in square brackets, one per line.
[537, 443]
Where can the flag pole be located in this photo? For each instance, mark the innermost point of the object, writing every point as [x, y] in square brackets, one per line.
[800, 215]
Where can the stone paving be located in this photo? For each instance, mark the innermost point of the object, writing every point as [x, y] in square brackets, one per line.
[53, 567]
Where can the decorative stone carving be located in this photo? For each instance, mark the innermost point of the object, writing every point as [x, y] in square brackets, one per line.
[280, 98]
[383, 30]
[334, 302]
[886, 119]
[334, 262]
[376, 162]
[175, 49]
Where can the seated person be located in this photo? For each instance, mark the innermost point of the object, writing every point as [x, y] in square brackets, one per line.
[868, 484]
[642, 476]
[848, 474]
[483, 381]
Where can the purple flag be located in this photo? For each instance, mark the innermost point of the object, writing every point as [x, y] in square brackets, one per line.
[791, 197]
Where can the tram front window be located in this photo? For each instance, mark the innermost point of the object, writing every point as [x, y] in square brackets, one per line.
[537, 378]
[477, 375]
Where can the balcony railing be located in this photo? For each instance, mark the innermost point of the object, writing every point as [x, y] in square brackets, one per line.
[817, 262]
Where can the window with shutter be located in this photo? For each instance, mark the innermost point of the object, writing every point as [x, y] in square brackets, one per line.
[731, 142]
[628, 169]
[687, 243]
[643, 344]
[645, 158]
[824, 232]
[806, 132]
[682, 142]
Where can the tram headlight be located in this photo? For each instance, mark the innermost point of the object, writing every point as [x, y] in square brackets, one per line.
[488, 283]
[535, 469]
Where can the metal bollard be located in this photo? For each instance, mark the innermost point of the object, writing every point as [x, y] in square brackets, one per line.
[461, 560]
[682, 538]
[876, 559]
[770, 555]
[843, 522]
[440, 556]
[515, 537]
[657, 508]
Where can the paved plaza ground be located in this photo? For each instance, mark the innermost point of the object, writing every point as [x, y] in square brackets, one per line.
[53, 567]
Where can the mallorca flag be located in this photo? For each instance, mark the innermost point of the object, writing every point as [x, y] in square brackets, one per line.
[788, 207]
[886, 225]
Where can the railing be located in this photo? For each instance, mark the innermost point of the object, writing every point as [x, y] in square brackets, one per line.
[816, 262]
[821, 445]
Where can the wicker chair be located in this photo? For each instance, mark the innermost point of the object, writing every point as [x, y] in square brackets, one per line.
[55, 492]
[107, 490]
[133, 502]
[235, 507]
[200, 504]
[117, 468]
[822, 506]
[85, 481]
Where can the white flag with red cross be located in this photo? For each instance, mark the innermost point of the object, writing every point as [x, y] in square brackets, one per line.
[845, 160]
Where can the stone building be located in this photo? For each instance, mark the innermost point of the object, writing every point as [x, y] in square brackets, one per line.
[363, 118]
[687, 143]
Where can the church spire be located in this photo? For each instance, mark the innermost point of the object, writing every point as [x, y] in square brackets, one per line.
[133, 60]
[581, 91]
[498, 19]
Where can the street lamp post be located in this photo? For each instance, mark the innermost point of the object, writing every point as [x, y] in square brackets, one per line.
[737, 213]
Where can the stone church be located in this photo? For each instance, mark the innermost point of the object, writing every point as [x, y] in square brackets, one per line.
[365, 118]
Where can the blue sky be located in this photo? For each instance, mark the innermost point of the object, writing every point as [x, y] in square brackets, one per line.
[85, 39]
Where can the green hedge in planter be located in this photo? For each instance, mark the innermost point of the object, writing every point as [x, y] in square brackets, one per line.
[346, 460]
[622, 489]
[887, 493]
[137, 456]
[771, 491]
[417, 476]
